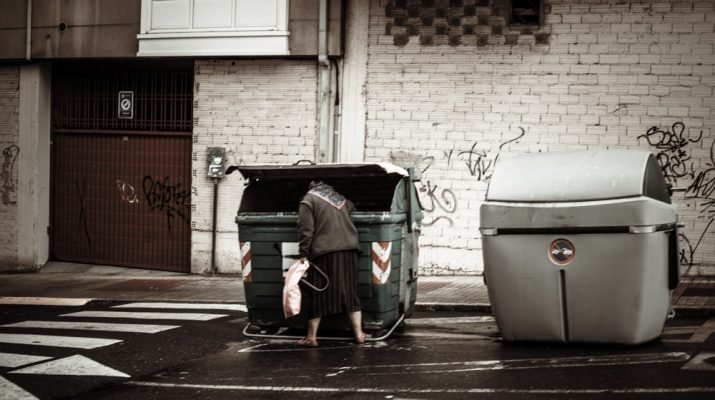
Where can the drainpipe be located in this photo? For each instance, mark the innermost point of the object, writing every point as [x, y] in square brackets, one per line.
[213, 227]
[324, 151]
[28, 32]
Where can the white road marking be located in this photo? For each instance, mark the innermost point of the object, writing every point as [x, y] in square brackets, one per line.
[56, 341]
[92, 326]
[145, 315]
[706, 389]
[457, 320]
[446, 335]
[188, 306]
[44, 301]
[12, 360]
[528, 363]
[9, 390]
[76, 365]
[699, 363]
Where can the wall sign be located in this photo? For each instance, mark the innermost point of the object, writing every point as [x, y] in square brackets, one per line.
[126, 105]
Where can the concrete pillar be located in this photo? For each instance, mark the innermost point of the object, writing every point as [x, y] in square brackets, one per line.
[353, 99]
[33, 196]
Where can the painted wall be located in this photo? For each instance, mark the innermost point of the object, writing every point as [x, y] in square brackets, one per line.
[261, 111]
[452, 88]
[9, 119]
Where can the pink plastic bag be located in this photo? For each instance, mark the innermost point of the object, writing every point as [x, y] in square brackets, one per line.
[291, 290]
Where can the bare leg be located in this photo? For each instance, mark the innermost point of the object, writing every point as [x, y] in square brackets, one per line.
[356, 322]
[310, 337]
[313, 325]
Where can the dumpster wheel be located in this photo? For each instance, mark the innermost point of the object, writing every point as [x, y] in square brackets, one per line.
[381, 334]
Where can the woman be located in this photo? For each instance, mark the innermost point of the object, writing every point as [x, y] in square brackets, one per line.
[329, 239]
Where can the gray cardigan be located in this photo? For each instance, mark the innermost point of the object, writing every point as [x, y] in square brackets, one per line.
[323, 228]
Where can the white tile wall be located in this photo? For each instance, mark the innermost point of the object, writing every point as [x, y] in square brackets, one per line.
[262, 112]
[611, 71]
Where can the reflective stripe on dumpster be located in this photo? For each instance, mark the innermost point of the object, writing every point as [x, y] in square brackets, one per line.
[246, 261]
[381, 262]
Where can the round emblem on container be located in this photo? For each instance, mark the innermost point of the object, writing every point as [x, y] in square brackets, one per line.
[561, 252]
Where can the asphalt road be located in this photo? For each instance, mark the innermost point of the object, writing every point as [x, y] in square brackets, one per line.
[436, 355]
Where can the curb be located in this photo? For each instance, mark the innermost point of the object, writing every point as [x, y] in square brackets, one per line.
[465, 307]
[693, 312]
[680, 311]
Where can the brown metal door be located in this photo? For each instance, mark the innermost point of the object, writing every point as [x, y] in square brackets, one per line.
[121, 189]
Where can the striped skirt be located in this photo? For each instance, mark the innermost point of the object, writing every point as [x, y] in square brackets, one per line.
[342, 293]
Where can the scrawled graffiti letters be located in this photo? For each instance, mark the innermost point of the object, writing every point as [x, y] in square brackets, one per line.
[8, 186]
[174, 201]
[476, 160]
[675, 159]
[443, 200]
[703, 186]
[127, 192]
[81, 188]
[673, 154]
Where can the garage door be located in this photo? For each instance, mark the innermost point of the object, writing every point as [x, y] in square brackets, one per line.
[121, 187]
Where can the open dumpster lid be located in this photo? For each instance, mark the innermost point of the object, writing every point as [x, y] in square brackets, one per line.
[279, 188]
[325, 171]
[578, 176]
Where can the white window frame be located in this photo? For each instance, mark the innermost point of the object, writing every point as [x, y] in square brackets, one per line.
[215, 41]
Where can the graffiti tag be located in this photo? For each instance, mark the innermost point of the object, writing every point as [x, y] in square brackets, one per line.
[170, 199]
[127, 191]
[673, 156]
[7, 175]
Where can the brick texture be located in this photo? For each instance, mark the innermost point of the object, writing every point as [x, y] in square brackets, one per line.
[262, 112]
[9, 119]
[603, 74]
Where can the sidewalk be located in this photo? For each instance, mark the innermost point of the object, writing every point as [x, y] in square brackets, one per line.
[693, 297]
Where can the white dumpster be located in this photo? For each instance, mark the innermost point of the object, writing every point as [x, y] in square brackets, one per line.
[580, 247]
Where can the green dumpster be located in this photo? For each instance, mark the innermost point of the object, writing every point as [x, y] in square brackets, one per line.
[388, 219]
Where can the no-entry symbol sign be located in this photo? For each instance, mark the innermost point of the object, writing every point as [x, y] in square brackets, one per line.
[126, 105]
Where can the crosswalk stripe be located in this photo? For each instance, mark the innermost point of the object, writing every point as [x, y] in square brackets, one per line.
[43, 301]
[12, 360]
[145, 315]
[92, 326]
[9, 390]
[56, 341]
[75, 365]
[188, 306]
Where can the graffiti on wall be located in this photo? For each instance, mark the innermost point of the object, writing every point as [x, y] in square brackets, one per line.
[673, 145]
[127, 192]
[81, 188]
[701, 190]
[674, 155]
[8, 180]
[437, 200]
[161, 196]
[440, 203]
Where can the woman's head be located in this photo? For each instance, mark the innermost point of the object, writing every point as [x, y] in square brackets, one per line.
[315, 182]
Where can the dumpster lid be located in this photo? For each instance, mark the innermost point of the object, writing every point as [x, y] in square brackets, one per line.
[578, 176]
[328, 170]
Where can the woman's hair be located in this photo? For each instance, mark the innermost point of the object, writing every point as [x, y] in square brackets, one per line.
[315, 182]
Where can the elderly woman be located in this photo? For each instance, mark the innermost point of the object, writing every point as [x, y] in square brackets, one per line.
[329, 239]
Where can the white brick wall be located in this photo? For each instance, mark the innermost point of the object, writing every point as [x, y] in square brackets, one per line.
[9, 119]
[262, 112]
[611, 71]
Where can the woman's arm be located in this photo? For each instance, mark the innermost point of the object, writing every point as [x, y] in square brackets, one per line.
[306, 227]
